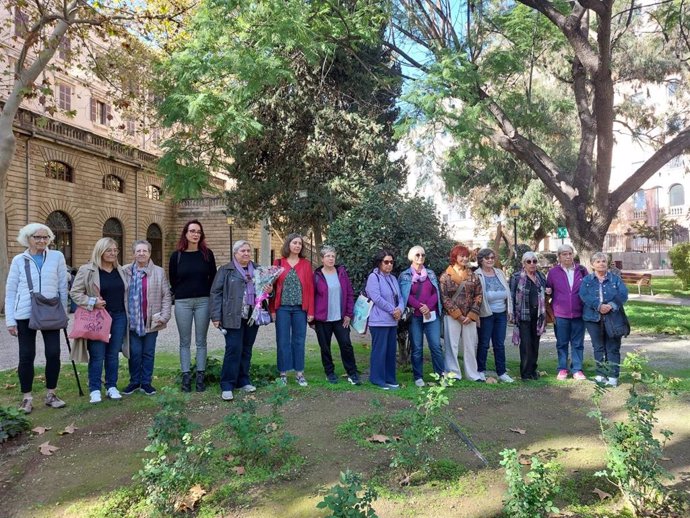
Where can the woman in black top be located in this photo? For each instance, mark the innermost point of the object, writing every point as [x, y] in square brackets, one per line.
[192, 268]
[101, 283]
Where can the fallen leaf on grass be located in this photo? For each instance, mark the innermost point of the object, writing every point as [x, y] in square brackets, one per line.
[543, 374]
[47, 449]
[518, 430]
[603, 495]
[229, 457]
[68, 429]
[190, 499]
[40, 430]
[361, 424]
[271, 427]
[377, 437]
[10, 386]
[239, 470]
[405, 481]
[525, 461]
[666, 459]
[491, 380]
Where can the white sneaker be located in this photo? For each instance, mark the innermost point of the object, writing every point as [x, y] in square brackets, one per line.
[482, 376]
[612, 382]
[226, 395]
[419, 382]
[505, 378]
[95, 396]
[600, 379]
[248, 388]
[113, 393]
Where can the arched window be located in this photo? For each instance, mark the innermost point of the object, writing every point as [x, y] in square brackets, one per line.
[153, 192]
[154, 235]
[58, 171]
[112, 182]
[676, 195]
[112, 228]
[61, 226]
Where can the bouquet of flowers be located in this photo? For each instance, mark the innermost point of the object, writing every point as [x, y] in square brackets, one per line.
[263, 276]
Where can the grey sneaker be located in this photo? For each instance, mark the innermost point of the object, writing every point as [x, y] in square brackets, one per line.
[113, 393]
[612, 382]
[282, 381]
[226, 395]
[27, 405]
[505, 378]
[53, 401]
[95, 396]
[301, 380]
[419, 382]
[248, 388]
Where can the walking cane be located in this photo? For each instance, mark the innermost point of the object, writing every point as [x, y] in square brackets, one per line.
[74, 365]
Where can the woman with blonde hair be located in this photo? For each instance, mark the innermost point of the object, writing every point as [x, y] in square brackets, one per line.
[48, 276]
[102, 284]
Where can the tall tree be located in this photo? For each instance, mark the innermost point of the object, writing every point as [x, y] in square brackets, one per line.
[40, 28]
[482, 69]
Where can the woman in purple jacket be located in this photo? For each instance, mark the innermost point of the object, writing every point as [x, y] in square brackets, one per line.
[384, 292]
[333, 307]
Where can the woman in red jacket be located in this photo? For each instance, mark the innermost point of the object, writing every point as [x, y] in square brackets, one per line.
[292, 307]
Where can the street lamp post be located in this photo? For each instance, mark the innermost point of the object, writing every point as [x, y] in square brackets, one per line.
[229, 220]
[515, 213]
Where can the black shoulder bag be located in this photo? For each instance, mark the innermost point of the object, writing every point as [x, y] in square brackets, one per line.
[47, 314]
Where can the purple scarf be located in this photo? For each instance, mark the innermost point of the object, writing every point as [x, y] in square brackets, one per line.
[418, 277]
[249, 290]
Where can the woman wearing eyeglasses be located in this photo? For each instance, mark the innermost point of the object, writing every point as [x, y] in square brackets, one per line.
[102, 283]
[48, 274]
[496, 310]
[461, 293]
[192, 268]
[383, 290]
[528, 291]
[420, 291]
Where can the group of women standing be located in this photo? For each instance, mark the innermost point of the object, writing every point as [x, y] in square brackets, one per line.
[474, 306]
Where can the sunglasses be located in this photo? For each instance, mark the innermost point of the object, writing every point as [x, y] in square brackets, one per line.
[385, 261]
[531, 261]
[420, 255]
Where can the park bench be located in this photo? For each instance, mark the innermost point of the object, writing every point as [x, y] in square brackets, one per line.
[638, 279]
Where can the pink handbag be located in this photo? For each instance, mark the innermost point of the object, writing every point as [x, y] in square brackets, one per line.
[91, 325]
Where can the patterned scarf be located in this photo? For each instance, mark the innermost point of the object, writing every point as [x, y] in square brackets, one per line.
[522, 311]
[249, 289]
[137, 318]
[418, 277]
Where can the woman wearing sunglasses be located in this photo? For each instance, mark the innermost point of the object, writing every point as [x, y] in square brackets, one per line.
[384, 291]
[528, 290]
[420, 291]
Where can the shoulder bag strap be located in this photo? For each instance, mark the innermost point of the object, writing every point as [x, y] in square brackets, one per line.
[29, 281]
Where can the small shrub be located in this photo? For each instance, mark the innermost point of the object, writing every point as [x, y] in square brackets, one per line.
[680, 262]
[445, 470]
[345, 501]
[12, 423]
[532, 496]
[633, 453]
[263, 375]
[211, 372]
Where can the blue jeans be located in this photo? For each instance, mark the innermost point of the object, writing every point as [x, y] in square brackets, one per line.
[607, 350]
[432, 331]
[384, 345]
[101, 353]
[291, 333]
[238, 356]
[492, 329]
[186, 311]
[570, 331]
[142, 350]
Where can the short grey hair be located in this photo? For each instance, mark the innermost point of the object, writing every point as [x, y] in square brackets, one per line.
[239, 244]
[565, 248]
[327, 249]
[483, 254]
[599, 255]
[29, 230]
[414, 251]
[141, 242]
[529, 255]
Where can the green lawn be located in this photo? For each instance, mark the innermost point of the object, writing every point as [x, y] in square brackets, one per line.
[670, 286]
[647, 317]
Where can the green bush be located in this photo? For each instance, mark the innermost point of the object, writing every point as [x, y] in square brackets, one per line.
[344, 499]
[533, 495]
[12, 423]
[680, 259]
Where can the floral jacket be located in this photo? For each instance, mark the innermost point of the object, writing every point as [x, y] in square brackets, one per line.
[461, 293]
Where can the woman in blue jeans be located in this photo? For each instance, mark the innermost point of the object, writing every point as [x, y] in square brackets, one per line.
[420, 291]
[192, 268]
[496, 311]
[602, 292]
[102, 284]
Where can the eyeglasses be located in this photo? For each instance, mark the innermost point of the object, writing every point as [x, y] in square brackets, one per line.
[41, 238]
[489, 258]
[420, 255]
[194, 232]
[386, 261]
[531, 261]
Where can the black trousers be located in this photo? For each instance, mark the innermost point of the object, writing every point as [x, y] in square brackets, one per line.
[529, 347]
[27, 355]
[324, 333]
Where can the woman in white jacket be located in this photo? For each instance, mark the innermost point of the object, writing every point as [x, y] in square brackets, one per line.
[49, 277]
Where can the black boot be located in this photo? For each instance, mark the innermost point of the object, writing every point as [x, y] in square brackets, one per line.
[200, 386]
[186, 382]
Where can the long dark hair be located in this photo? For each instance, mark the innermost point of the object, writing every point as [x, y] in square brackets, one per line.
[285, 249]
[183, 244]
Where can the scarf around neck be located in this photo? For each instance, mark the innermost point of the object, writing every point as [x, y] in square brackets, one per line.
[519, 300]
[418, 277]
[137, 318]
[249, 289]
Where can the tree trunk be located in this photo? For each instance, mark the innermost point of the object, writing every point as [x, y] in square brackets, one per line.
[8, 144]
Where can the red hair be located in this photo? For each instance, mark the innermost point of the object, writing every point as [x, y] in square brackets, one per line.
[183, 244]
[456, 251]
